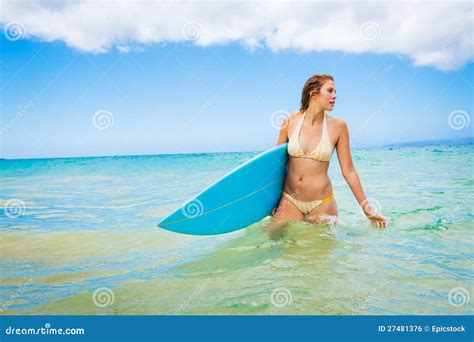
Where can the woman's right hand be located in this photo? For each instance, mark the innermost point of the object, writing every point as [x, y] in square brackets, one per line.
[378, 220]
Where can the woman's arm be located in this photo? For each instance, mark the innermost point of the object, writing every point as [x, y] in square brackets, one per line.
[283, 135]
[352, 177]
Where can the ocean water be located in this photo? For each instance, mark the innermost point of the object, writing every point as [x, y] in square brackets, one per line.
[79, 236]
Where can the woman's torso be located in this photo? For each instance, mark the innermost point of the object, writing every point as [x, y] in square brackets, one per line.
[307, 178]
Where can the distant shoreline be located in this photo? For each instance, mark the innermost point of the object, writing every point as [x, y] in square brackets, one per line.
[438, 142]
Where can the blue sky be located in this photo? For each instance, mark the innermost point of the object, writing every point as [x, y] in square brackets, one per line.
[181, 97]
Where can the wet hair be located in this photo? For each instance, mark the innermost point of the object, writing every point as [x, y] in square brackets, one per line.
[312, 86]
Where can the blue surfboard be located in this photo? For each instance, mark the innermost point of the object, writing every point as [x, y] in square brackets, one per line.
[243, 196]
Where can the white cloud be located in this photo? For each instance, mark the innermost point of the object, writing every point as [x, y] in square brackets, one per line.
[438, 34]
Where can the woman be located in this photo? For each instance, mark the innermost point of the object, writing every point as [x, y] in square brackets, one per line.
[308, 194]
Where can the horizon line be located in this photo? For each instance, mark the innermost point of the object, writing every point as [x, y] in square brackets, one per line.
[399, 145]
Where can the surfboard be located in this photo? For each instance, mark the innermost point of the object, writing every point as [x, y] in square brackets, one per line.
[243, 196]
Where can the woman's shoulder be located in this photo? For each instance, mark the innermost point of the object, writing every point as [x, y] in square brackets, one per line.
[294, 115]
[337, 122]
[291, 118]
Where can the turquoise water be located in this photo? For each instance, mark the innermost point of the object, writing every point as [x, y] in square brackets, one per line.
[79, 236]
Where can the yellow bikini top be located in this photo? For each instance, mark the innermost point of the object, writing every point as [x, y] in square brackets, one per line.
[322, 152]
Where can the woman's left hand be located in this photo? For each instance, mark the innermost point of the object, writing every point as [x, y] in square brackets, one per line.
[378, 220]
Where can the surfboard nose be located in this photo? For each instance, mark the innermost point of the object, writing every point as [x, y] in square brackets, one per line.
[243, 196]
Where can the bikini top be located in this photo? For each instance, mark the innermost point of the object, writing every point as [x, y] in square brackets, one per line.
[322, 152]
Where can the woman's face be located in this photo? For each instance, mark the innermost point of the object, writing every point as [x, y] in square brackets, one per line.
[327, 96]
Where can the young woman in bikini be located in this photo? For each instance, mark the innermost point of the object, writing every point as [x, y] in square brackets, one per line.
[308, 194]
